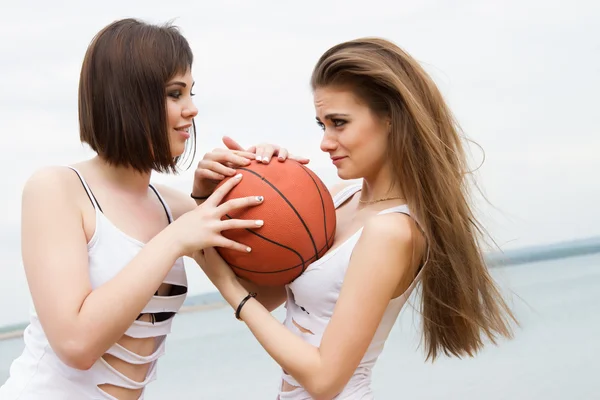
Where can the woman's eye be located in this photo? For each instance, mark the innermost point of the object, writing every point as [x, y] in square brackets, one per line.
[175, 95]
[338, 122]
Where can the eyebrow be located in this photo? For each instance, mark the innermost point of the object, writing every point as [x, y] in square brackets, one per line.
[179, 83]
[333, 115]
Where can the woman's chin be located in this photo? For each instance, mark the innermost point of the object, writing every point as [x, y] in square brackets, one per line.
[177, 152]
[344, 174]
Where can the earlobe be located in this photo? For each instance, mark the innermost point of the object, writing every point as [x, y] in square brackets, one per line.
[387, 119]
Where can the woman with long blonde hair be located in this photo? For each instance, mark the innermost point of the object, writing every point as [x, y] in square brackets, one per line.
[409, 221]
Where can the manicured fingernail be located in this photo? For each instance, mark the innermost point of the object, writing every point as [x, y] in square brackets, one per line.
[266, 160]
[281, 157]
[259, 222]
[248, 249]
[238, 176]
[259, 198]
[258, 158]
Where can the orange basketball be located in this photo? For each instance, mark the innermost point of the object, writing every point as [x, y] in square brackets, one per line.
[299, 226]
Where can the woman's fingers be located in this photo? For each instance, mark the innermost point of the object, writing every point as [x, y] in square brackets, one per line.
[241, 202]
[282, 154]
[230, 244]
[245, 154]
[217, 167]
[231, 144]
[218, 195]
[210, 175]
[241, 224]
[265, 152]
[300, 159]
[235, 157]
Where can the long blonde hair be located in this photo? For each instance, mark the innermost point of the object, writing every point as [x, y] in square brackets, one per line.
[460, 303]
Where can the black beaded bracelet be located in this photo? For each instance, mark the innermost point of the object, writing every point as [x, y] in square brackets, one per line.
[239, 308]
[199, 197]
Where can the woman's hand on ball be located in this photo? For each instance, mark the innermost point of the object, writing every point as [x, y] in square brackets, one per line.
[265, 151]
[216, 166]
[201, 228]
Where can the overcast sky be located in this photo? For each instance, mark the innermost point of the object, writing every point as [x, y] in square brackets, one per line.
[523, 78]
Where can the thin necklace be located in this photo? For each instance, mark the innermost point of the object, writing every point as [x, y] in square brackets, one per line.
[378, 200]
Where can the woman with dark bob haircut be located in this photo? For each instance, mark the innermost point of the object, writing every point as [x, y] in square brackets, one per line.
[102, 247]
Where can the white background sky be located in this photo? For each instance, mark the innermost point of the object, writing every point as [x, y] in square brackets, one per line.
[523, 78]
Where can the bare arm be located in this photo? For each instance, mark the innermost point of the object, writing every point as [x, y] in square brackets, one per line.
[81, 323]
[271, 297]
[379, 263]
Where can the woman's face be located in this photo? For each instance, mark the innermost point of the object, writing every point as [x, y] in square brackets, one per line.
[355, 138]
[180, 111]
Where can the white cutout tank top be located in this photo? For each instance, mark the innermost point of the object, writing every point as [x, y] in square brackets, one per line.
[39, 374]
[311, 299]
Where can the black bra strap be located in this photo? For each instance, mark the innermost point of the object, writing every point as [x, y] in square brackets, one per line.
[162, 202]
[88, 190]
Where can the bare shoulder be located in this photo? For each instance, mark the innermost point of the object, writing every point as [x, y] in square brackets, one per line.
[393, 229]
[50, 181]
[394, 239]
[179, 202]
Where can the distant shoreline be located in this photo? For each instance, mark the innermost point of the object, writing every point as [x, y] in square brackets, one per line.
[15, 331]
[555, 251]
[575, 248]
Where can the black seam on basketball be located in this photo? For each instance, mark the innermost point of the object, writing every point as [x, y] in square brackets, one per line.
[290, 204]
[266, 272]
[320, 196]
[302, 261]
[308, 262]
[326, 246]
[304, 264]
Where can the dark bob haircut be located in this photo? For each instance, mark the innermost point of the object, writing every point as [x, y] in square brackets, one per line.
[122, 93]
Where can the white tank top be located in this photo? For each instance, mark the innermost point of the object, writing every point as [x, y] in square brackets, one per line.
[311, 299]
[39, 374]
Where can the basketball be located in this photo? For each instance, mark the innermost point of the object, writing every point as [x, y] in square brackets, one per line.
[299, 222]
